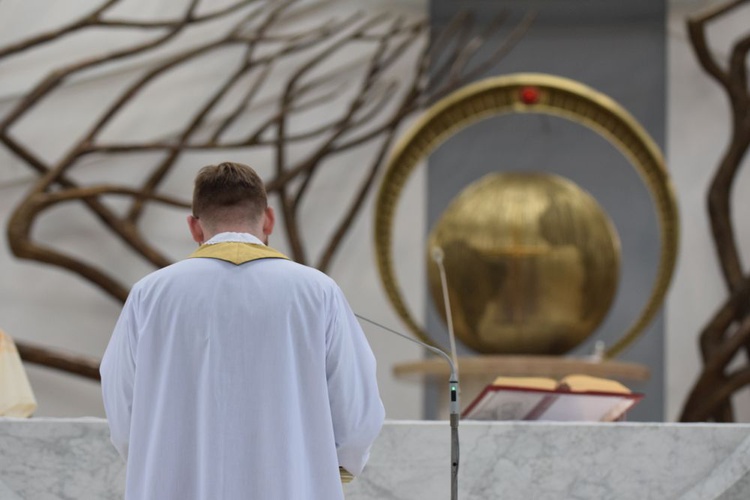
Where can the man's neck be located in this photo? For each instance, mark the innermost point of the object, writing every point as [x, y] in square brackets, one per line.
[263, 238]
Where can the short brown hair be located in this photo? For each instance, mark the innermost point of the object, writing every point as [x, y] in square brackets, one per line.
[223, 188]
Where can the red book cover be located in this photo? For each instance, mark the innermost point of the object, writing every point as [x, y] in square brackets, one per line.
[507, 402]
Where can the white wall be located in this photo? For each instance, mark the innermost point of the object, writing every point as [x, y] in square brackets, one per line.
[698, 131]
[47, 305]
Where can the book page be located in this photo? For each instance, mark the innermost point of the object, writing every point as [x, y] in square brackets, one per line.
[583, 383]
[505, 404]
[586, 407]
[526, 382]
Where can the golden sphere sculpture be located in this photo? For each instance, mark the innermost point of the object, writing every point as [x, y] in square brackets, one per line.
[533, 93]
[532, 264]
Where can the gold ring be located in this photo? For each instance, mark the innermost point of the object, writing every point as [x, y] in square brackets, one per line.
[530, 93]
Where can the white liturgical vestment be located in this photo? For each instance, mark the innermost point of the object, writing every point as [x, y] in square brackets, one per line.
[250, 381]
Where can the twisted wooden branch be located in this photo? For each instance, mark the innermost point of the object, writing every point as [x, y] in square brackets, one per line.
[377, 106]
[729, 330]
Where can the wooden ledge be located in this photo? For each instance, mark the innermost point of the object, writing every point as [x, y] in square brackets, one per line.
[521, 366]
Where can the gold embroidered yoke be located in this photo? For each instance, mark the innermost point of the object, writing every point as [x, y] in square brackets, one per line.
[236, 252]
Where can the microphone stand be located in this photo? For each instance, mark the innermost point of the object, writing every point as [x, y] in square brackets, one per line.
[437, 256]
[454, 401]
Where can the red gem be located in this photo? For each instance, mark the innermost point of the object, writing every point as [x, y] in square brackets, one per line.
[530, 95]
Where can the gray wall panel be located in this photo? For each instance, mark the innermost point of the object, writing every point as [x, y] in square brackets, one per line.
[617, 48]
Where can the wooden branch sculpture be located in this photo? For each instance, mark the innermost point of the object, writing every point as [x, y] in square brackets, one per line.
[728, 332]
[378, 103]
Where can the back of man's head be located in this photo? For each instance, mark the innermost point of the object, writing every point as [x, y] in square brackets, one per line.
[229, 194]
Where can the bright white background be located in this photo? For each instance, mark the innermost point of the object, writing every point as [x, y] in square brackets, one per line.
[47, 305]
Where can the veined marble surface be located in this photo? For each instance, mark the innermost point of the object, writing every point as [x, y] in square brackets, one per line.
[551, 460]
[56, 459]
[50, 459]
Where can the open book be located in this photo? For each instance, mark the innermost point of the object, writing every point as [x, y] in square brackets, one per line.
[573, 398]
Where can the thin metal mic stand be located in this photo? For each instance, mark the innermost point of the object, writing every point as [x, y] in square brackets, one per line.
[454, 401]
[437, 256]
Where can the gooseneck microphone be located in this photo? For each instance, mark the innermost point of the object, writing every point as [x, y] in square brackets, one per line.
[437, 256]
[454, 405]
[455, 414]
[435, 350]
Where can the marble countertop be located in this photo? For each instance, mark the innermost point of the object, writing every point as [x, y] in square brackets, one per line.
[49, 459]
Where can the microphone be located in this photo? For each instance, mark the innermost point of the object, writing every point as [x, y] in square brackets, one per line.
[437, 256]
[435, 350]
[455, 412]
[454, 406]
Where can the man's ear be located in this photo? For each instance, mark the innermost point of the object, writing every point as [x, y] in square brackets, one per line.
[196, 230]
[268, 221]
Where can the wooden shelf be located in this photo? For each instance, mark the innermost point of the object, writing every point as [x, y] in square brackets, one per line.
[521, 366]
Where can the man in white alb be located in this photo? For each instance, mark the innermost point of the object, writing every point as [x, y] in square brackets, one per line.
[237, 373]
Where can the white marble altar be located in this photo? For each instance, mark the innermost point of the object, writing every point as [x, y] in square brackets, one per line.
[50, 459]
